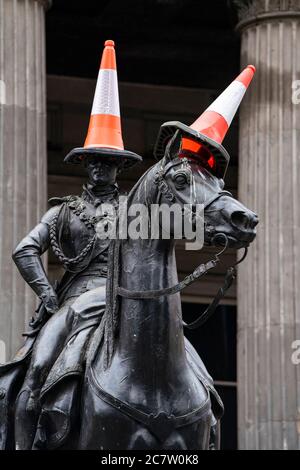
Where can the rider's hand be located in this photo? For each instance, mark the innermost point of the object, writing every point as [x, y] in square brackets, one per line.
[50, 302]
[48, 307]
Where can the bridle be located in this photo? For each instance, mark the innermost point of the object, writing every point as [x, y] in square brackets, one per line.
[165, 189]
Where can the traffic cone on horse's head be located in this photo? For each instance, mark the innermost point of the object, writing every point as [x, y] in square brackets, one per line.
[216, 119]
[104, 137]
[204, 137]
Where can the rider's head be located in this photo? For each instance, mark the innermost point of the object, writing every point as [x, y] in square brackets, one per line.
[101, 172]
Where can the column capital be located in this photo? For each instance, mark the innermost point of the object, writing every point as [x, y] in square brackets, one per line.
[45, 3]
[256, 11]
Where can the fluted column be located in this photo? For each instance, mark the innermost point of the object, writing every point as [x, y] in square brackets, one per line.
[22, 153]
[269, 182]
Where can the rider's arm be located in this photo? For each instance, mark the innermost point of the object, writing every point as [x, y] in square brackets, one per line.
[27, 257]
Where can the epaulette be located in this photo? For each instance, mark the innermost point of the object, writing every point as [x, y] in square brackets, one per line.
[55, 201]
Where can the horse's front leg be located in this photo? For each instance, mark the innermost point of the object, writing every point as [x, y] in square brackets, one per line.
[215, 435]
[103, 427]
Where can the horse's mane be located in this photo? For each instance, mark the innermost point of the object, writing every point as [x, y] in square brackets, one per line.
[144, 191]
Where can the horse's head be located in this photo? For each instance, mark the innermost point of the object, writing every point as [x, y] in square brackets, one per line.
[185, 180]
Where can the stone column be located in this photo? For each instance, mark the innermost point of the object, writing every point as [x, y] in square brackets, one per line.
[269, 182]
[23, 170]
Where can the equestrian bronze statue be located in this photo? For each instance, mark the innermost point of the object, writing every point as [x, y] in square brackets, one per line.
[59, 332]
[106, 365]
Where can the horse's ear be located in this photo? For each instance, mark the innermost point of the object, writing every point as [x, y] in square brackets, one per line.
[173, 146]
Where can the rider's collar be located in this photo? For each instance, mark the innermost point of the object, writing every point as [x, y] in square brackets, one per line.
[97, 195]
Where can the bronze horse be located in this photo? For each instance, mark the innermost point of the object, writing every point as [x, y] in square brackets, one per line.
[145, 385]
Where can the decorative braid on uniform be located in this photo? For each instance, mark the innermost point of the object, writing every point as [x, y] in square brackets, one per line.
[67, 262]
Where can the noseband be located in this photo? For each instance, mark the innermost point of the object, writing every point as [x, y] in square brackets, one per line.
[201, 270]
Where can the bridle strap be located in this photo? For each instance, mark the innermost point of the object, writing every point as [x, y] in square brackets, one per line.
[215, 197]
[198, 272]
[154, 294]
[209, 311]
[164, 187]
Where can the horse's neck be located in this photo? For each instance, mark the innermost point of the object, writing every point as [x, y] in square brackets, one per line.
[150, 335]
[150, 331]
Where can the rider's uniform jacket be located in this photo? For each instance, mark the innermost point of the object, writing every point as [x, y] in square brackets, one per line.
[70, 227]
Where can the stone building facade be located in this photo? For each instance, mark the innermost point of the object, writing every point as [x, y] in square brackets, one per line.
[264, 172]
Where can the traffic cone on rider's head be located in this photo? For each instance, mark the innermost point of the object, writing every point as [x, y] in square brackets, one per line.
[204, 137]
[104, 137]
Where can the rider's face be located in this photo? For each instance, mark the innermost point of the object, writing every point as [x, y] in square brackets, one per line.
[100, 172]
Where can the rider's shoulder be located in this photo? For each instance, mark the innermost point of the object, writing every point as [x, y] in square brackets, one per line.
[55, 204]
[50, 214]
[58, 201]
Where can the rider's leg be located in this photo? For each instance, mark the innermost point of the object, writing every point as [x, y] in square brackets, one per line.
[46, 349]
[58, 421]
[89, 306]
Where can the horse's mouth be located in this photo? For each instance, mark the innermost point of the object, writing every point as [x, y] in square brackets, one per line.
[222, 238]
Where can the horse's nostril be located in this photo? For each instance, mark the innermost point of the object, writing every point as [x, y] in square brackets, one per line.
[254, 221]
[244, 220]
[240, 219]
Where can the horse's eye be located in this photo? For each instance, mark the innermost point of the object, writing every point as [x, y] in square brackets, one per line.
[180, 179]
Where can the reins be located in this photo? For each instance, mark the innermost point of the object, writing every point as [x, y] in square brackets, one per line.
[200, 271]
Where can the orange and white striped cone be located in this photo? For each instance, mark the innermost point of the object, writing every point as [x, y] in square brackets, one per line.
[105, 123]
[104, 137]
[205, 136]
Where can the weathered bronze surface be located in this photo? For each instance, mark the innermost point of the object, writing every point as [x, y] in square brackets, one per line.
[126, 378]
[63, 324]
